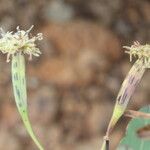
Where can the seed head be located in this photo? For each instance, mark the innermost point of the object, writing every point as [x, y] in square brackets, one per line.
[19, 42]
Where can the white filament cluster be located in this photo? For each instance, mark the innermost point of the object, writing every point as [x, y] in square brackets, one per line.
[19, 42]
[140, 51]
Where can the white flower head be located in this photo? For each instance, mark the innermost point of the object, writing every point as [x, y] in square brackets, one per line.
[19, 42]
[140, 51]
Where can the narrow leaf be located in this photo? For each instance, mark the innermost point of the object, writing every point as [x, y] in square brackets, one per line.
[20, 93]
[126, 91]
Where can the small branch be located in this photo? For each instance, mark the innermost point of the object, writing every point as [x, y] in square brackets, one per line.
[136, 114]
[107, 144]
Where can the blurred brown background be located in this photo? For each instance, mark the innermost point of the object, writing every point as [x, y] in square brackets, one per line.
[73, 85]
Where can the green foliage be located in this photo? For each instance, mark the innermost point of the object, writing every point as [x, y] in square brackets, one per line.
[131, 141]
[124, 147]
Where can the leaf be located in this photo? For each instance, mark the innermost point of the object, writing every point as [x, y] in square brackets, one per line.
[131, 138]
[20, 93]
[126, 91]
[124, 147]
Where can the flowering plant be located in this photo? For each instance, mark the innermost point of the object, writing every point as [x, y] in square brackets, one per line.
[16, 45]
[142, 52]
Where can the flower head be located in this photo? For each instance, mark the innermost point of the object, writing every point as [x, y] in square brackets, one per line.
[19, 42]
[140, 51]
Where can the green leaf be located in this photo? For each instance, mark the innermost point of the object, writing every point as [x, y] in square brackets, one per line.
[20, 93]
[131, 139]
[124, 147]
